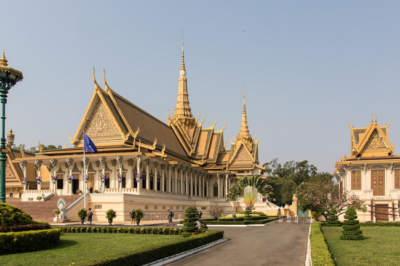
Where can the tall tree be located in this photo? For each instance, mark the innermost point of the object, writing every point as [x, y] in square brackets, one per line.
[323, 195]
[255, 181]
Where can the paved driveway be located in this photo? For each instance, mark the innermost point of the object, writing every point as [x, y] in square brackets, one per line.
[275, 244]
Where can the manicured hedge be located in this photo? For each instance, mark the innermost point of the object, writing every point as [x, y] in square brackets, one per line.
[320, 254]
[225, 222]
[125, 230]
[155, 252]
[259, 213]
[28, 227]
[381, 224]
[10, 215]
[15, 242]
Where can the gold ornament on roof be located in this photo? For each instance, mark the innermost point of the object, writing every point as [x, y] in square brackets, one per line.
[3, 60]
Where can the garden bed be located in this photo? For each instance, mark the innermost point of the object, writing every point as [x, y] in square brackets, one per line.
[378, 247]
[111, 249]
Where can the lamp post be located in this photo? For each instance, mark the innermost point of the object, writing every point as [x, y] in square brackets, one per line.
[8, 78]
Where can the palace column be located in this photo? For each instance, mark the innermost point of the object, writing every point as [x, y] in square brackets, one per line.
[102, 161]
[182, 169]
[85, 162]
[226, 184]
[138, 173]
[53, 163]
[187, 181]
[113, 175]
[219, 190]
[155, 177]
[51, 185]
[191, 182]
[70, 164]
[208, 186]
[176, 180]
[169, 179]
[119, 160]
[129, 175]
[195, 183]
[203, 192]
[22, 164]
[148, 164]
[38, 166]
[162, 181]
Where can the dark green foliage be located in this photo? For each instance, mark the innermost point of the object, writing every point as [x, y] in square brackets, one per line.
[189, 223]
[27, 227]
[10, 215]
[319, 250]
[111, 214]
[259, 213]
[130, 230]
[82, 213]
[15, 242]
[351, 226]
[243, 222]
[396, 224]
[333, 219]
[139, 214]
[247, 213]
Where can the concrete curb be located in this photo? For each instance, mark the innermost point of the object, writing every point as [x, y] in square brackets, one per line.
[184, 254]
[238, 225]
[308, 255]
[106, 224]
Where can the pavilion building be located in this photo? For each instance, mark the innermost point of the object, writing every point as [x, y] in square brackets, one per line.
[140, 161]
[372, 172]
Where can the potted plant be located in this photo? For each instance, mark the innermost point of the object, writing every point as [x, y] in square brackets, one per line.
[79, 192]
[39, 198]
[110, 215]
[82, 215]
[139, 215]
[56, 212]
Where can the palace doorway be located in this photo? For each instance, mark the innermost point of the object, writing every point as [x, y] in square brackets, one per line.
[215, 191]
[75, 185]
[378, 182]
[382, 213]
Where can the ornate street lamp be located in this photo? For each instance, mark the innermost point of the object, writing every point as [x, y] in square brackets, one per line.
[8, 78]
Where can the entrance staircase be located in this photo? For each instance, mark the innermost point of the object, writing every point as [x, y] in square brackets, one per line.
[42, 210]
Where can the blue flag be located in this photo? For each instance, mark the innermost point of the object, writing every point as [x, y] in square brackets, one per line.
[88, 144]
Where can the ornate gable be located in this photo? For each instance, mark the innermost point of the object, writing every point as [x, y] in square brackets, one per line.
[100, 126]
[375, 145]
[9, 172]
[242, 156]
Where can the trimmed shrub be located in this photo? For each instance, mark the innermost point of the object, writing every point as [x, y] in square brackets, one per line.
[380, 224]
[15, 242]
[247, 213]
[320, 254]
[333, 220]
[259, 213]
[351, 226]
[10, 215]
[27, 227]
[189, 223]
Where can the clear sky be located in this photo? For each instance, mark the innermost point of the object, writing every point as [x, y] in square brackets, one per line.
[309, 67]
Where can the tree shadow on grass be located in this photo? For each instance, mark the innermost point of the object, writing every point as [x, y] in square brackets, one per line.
[64, 244]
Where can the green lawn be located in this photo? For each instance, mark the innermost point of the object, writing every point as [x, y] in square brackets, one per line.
[380, 246]
[76, 247]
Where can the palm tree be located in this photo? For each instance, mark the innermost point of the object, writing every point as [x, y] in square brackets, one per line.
[255, 181]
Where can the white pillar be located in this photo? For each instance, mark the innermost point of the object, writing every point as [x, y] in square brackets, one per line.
[187, 182]
[138, 173]
[191, 183]
[23, 167]
[226, 184]
[176, 181]
[129, 175]
[219, 190]
[208, 188]
[119, 160]
[155, 177]
[162, 181]
[181, 190]
[38, 166]
[169, 189]
[195, 183]
[148, 175]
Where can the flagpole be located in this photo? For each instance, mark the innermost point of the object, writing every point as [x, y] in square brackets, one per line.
[84, 173]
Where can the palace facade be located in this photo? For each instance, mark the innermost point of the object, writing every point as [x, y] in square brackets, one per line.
[140, 161]
[372, 172]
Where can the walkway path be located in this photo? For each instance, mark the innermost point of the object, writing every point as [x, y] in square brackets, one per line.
[274, 244]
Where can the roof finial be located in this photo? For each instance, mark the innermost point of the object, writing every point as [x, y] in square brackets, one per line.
[3, 60]
[372, 119]
[183, 58]
[376, 119]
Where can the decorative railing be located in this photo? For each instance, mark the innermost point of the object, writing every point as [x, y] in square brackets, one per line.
[117, 190]
[74, 207]
[48, 196]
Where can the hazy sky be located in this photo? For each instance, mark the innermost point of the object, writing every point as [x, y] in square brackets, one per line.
[309, 67]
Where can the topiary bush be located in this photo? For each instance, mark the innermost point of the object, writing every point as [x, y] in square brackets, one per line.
[351, 226]
[10, 215]
[247, 213]
[189, 223]
[333, 220]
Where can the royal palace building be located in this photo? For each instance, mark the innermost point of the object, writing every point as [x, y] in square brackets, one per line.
[141, 161]
[372, 172]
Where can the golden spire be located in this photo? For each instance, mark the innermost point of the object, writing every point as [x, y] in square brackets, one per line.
[244, 133]
[3, 60]
[182, 111]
